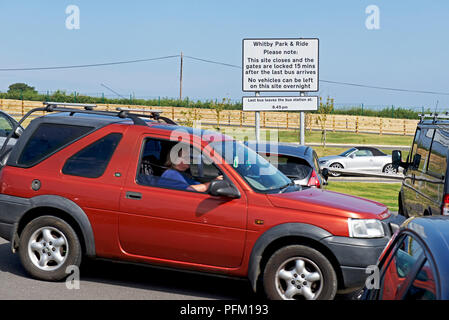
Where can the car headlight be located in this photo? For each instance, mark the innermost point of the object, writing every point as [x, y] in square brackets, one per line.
[365, 228]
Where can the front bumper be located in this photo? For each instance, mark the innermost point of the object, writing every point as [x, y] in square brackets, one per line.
[354, 255]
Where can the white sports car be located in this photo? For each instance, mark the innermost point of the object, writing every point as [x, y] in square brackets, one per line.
[359, 159]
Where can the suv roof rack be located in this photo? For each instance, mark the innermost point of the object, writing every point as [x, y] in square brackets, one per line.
[86, 108]
[434, 116]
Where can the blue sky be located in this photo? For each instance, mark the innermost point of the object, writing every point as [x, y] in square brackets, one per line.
[410, 50]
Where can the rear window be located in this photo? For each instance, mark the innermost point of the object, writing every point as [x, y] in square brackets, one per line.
[292, 167]
[91, 162]
[47, 139]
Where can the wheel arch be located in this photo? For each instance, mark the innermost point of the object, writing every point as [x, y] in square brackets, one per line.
[64, 209]
[284, 235]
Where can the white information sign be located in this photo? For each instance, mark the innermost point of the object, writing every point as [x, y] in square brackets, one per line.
[280, 103]
[280, 65]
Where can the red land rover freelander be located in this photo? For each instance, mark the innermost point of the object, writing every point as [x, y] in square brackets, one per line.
[81, 182]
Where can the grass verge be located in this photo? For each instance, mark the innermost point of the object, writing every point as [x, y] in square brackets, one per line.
[386, 193]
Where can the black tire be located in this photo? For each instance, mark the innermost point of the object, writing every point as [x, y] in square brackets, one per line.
[386, 166]
[70, 252]
[315, 262]
[336, 165]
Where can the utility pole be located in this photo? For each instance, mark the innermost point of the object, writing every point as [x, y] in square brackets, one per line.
[302, 125]
[257, 124]
[180, 79]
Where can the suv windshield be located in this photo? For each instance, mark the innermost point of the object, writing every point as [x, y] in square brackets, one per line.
[260, 174]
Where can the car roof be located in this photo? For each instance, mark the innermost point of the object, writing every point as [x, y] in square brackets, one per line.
[375, 151]
[284, 148]
[99, 121]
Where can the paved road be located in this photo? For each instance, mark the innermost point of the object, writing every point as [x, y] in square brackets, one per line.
[107, 280]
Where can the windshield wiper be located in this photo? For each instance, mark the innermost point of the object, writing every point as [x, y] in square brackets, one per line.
[284, 188]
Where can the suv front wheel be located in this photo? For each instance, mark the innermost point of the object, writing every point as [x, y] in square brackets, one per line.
[48, 245]
[298, 272]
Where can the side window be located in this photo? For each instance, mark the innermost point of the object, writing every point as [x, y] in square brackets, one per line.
[399, 267]
[91, 162]
[47, 139]
[364, 153]
[423, 285]
[5, 125]
[424, 147]
[169, 164]
[438, 154]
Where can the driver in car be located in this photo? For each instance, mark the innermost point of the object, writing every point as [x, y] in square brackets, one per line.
[175, 177]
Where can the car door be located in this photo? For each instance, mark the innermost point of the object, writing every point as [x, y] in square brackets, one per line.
[171, 225]
[407, 255]
[408, 184]
[361, 160]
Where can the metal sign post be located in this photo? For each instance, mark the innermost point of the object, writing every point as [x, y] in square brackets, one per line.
[257, 120]
[302, 130]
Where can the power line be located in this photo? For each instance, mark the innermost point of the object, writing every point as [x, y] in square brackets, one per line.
[222, 64]
[112, 90]
[88, 65]
[214, 62]
[335, 82]
[384, 88]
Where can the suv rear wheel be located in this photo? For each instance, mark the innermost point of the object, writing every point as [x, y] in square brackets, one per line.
[298, 272]
[48, 245]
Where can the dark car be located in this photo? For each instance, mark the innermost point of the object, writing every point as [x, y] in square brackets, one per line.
[414, 265]
[425, 189]
[299, 163]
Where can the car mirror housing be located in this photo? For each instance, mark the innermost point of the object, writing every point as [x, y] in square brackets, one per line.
[416, 161]
[325, 173]
[223, 188]
[396, 158]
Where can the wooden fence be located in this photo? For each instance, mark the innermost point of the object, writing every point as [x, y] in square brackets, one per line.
[280, 120]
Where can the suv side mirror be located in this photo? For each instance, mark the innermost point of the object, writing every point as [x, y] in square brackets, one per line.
[325, 173]
[222, 188]
[416, 161]
[396, 157]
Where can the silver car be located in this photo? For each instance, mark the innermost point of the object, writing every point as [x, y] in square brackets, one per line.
[359, 159]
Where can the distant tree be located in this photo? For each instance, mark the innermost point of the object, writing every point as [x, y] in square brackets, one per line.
[21, 87]
[324, 110]
[218, 108]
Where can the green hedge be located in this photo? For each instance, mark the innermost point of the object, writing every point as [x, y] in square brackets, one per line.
[62, 96]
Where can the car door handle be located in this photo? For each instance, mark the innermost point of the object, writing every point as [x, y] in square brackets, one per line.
[133, 195]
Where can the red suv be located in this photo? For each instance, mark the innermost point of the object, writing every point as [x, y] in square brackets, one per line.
[138, 188]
